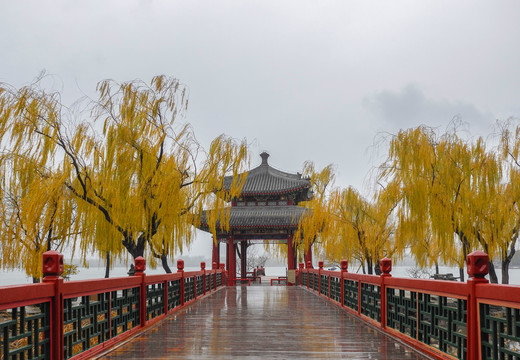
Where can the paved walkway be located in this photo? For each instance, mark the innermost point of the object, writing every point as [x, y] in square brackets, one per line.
[261, 322]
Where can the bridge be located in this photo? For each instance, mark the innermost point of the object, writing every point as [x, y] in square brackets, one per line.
[324, 314]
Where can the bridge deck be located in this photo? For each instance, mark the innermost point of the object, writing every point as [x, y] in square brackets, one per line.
[261, 322]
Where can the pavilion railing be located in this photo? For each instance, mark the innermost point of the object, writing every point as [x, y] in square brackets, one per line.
[445, 319]
[77, 319]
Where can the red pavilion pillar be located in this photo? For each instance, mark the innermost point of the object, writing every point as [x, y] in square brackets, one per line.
[232, 265]
[215, 258]
[243, 259]
[308, 255]
[291, 264]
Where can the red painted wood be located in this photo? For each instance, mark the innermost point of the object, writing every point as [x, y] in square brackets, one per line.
[290, 253]
[232, 267]
[15, 295]
[215, 256]
[308, 256]
[87, 287]
[56, 316]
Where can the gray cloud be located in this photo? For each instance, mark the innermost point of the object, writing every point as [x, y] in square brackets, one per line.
[299, 79]
[410, 107]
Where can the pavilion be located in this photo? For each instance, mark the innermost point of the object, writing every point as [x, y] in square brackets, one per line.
[267, 209]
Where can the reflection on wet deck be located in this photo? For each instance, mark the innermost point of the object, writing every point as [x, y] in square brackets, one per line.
[262, 323]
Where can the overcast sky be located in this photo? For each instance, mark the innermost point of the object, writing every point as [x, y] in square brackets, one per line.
[303, 80]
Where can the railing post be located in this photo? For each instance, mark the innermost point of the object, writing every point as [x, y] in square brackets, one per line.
[309, 266]
[320, 268]
[477, 266]
[52, 267]
[140, 267]
[165, 297]
[215, 268]
[180, 269]
[194, 287]
[344, 269]
[203, 269]
[224, 274]
[300, 267]
[359, 302]
[386, 267]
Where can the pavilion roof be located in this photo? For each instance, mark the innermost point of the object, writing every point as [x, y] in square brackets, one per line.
[266, 180]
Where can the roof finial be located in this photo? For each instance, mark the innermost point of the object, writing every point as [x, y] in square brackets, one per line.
[264, 157]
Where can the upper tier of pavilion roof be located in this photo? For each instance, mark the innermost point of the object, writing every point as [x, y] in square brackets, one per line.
[266, 180]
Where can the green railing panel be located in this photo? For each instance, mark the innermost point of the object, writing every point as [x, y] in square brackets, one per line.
[371, 301]
[304, 279]
[208, 282]
[442, 324]
[174, 294]
[500, 332]
[154, 300]
[311, 281]
[25, 332]
[125, 310]
[189, 289]
[401, 311]
[324, 285]
[316, 282]
[200, 285]
[219, 279]
[335, 289]
[350, 294]
[85, 323]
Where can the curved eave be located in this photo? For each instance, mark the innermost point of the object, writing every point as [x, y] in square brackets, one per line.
[262, 217]
[279, 192]
[294, 226]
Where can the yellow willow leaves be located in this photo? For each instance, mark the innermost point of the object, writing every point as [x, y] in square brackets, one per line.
[315, 225]
[447, 186]
[343, 224]
[36, 214]
[140, 185]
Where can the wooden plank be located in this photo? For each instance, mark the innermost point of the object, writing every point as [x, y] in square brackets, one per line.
[263, 322]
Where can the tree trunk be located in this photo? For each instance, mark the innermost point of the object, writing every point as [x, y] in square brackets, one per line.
[164, 261]
[107, 268]
[493, 278]
[35, 280]
[465, 251]
[135, 248]
[369, 266]
[377, 268]
[505, 272]
[436, 268]
[506, 261]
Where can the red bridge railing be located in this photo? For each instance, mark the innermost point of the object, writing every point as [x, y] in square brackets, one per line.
[445, 319]
[77, 319]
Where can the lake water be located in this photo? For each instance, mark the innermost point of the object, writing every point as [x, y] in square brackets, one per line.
[18, 277]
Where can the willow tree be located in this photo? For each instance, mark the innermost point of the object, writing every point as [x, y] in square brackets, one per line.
[444, 182]
[140, 183]
[314, 226]
[505, 224]
[363, 229]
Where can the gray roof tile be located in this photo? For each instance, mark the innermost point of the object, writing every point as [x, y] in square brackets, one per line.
[265, 179]
[262, 216]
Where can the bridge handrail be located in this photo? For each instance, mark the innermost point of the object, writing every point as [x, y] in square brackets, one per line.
[77, 288]
[499, 294]
[446, 319]
[60, 319]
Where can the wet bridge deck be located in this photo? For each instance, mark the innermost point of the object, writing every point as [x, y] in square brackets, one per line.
[262, 322]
